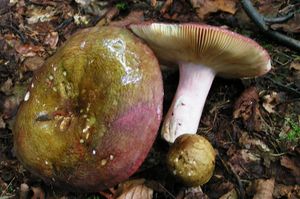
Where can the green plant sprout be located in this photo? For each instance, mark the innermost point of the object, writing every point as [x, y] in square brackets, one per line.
[294, 133]
[121, 5]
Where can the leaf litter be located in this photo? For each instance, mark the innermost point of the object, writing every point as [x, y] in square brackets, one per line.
[247, 121]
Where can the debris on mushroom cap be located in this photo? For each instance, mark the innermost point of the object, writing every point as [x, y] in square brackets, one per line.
[226, 52]
[191, 159]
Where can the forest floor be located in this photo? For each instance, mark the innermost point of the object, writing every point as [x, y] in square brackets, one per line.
[253, 124]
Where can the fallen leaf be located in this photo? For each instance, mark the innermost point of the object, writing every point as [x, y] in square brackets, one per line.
[28, 50]
[39, 14]
[270, 101]
[33, 63]
[257, 146]
[291, 26]
[230, 195]
[204, 7]
[24, 190]
[134, 189]
[292, 166]
[263, 188]
[38, 193]
[285, 191]
[133, 17]
[295, 66]
[52, 39]
[246, 163]
[191, 193]
[269, 8]
[247, 108]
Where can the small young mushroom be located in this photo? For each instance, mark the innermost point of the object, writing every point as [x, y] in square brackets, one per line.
[201, 51]
[92, 112]
[191, 159]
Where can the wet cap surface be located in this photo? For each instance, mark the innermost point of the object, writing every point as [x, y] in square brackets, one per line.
[226, 52]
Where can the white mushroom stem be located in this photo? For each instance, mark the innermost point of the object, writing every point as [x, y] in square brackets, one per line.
[186, 109]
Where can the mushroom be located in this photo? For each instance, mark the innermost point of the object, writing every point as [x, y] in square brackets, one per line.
[191, 159]
[92, 111]
[201, 51]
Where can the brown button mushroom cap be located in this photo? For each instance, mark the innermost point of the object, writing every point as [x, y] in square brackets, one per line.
[92, 111]
[201, 51]
[191, 159]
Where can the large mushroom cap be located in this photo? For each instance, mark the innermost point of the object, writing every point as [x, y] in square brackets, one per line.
[227, 53]
[92, 111]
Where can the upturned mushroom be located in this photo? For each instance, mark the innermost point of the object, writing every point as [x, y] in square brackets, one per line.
[92, 112]
[201, 51]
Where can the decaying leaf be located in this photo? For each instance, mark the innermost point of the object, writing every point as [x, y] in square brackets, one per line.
[27, 50]
[257, 146]
[24, 190]
[270, 101]
[133, 17]
[134, 189]
[291, 164]
[33, 63]
[38, 193]
[246, 107]
[39, 14]
[285, 191]
[230, 195]
[52, 39]
[295, 67]
[204, 7]
[292, 26]
[191, 193]
[263, 189]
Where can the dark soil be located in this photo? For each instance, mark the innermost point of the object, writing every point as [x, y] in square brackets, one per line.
[253, 124]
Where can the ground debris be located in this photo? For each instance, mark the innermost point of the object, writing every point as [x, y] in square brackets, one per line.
[262, 188]
[246, 107]
[205, 7]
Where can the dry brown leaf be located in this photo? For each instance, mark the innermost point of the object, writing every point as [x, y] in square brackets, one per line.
[39, 14]
[38, 193]
[28, 50]
[246, 107]
[291, 26]
[24, 190]
[191, 193]
[230, 195]
[246, 163]
[33, 63]
[264, 188]
[52, 39]
[133, 17]
[285, 191]
[204, 7]
[134, 189]
[295, 66]
[269, 7]
[270, 101]
[292, 166]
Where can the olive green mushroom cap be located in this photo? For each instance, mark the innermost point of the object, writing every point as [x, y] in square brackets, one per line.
[227, 53]
[98, 96]
[191, 159]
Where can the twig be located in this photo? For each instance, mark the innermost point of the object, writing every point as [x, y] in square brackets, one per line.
[287, 88]
[259, 20]
[16, 31]
[271, 20]
[64, 23]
